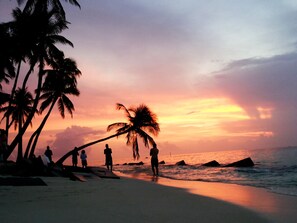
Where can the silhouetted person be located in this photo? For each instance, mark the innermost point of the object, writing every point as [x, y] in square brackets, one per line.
[154, 160]
[74, 157]
[83, 157]
[108, 157]
[48, 152]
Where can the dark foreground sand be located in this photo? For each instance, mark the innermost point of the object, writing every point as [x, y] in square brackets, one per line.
[115, 200]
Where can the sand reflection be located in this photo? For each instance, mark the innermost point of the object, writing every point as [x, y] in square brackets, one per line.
[276, 207]
[254, 198]
[257, 199]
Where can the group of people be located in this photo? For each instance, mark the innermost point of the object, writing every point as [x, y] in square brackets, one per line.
[108, 158]
[83, 157]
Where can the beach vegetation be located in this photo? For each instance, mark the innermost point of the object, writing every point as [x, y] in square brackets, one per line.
[31, 59]
[20, 108]
[30, 56]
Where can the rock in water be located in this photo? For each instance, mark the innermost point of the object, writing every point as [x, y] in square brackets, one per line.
[139, 163]
[247, 162]
[181, 163]
[213, 163]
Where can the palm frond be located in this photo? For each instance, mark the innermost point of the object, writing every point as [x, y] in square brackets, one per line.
[116, 125]
[135, 148]
[121, 106]
[61, 107]
[74, 2]
[68, 104]
[46, 103]
[141, 121]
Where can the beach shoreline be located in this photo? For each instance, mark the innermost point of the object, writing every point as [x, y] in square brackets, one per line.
[277, 208]
[115, 200]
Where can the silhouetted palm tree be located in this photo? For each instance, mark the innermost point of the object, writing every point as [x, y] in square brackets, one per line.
[4, 98]
[42, 5]
[7, 71]
[20, 109]
[44, 52]
[59, 83]
[141, 122]
[21, 39]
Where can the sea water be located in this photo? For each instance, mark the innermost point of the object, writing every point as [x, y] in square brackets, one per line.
[275, 169]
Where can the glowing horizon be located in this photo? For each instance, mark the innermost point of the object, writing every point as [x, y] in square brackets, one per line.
[216, 77]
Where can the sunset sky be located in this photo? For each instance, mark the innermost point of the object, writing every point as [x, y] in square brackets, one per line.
[220, 74]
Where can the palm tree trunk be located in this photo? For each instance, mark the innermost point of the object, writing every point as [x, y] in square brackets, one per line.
[29, 145]
[27, 76]
[11, 96]
[37, 133]
[39, 130]
[19, 136]
[63, 158]
[20, 147]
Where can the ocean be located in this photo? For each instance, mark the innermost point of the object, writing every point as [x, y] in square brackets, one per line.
[275, 169]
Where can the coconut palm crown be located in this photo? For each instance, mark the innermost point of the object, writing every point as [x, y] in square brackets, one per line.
[141, 122]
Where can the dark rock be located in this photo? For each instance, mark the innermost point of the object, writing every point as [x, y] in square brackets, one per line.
[139, 163]
[247, 162]
[213, 163]
[181, 163]
[162, 162]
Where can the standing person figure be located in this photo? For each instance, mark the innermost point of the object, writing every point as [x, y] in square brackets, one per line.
[154, 160]
[74, 157]
[83, 157]
[108, 157]
[49, 153]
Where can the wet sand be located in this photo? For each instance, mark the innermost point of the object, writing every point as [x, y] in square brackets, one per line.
[275, 207]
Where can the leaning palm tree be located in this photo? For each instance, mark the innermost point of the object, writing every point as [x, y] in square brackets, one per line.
[141, 122]
[59, 83]
[20, 109]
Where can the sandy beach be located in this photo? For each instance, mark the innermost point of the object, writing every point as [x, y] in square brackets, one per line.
[276, 208]
[128, 200]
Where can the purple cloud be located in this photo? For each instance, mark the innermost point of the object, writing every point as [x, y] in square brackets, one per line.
[258, 84]
[72, 137]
